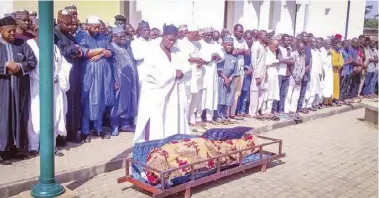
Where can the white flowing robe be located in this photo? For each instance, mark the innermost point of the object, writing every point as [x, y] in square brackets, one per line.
[210, 83]
[139, 47]
[62, 73]
[314, 86]
[327, 67]
[272, 76]
[161, 110]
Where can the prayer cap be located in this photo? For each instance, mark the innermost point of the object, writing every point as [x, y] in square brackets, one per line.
[193, 28]
[207, 30]
[93, 20]
[21, 14]
[170, 30]
[71, 8]
[338, 36]
[7, 21]
[182, 27]
[118, 29]
[143, 24]
[227, 39]
[64, 16]
[120, 18]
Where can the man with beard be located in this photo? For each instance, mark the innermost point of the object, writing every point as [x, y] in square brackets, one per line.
[212, 53]
[97, 82]
[17, 60]
[126, 77]
[23, 21]
[72, 52]
[163, 116]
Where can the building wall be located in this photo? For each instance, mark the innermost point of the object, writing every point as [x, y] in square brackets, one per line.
[106, 10]
[280, 15]
[356, 19]
[326, 19]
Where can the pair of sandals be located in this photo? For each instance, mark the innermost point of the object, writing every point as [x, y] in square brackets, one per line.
[271, 117]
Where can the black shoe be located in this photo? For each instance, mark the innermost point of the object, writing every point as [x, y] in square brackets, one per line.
[58, 153]
[15, 153]
[105, 136]
[86, 139]
[61, 141]
[5, 159]
[33, 153]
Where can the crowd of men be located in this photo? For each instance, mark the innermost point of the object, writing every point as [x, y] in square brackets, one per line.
[158, 83]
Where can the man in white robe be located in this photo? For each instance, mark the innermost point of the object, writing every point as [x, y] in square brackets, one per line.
[211, 52]
[161, 111]
[139, 47]
[193, 72]
[313, 93]
[61, 86]
[272, 85]
[258, 62]
[327, 67]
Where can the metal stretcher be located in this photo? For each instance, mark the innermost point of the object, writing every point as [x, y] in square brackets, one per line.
[264, 157]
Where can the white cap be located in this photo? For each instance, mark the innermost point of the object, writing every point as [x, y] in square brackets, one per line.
[93, 20]
[193, 28]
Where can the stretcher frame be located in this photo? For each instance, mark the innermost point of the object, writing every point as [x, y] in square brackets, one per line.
[162, 191]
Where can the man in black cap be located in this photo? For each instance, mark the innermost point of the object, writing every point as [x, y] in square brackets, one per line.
[17, 60]
[120, 20]
[164, 116]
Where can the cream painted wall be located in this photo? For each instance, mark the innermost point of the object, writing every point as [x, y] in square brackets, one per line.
[106, 10]
[325, 24]
[284, 17]
[209, 13]
[246, 13]
[5, 7]
[356, 19]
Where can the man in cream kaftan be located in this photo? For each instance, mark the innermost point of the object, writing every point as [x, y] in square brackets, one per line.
[326, 57]
[193, 72]
[313, 93]
[211, 52]
[161, 111]
[61, 86]
[258, 62]
[140, 46]
[272, 77]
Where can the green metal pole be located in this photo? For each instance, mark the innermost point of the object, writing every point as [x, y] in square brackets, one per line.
[47, 187]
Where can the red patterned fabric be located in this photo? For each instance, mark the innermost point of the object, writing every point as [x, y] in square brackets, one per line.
[180, 153]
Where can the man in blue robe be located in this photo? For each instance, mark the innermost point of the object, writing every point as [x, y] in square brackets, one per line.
[97, 79]
[126, 77]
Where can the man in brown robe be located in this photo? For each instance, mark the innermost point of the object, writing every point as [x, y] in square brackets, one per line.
[16, 61]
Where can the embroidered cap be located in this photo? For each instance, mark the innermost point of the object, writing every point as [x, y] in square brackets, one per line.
[227, 39]
[93, 20]
[182, 27]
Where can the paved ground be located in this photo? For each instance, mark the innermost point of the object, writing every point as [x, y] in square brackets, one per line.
[329, 157]
[97, 152]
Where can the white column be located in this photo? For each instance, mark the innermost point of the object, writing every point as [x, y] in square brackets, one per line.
[264, 15]
[284, 23]
[356, 19]
[300, 19]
